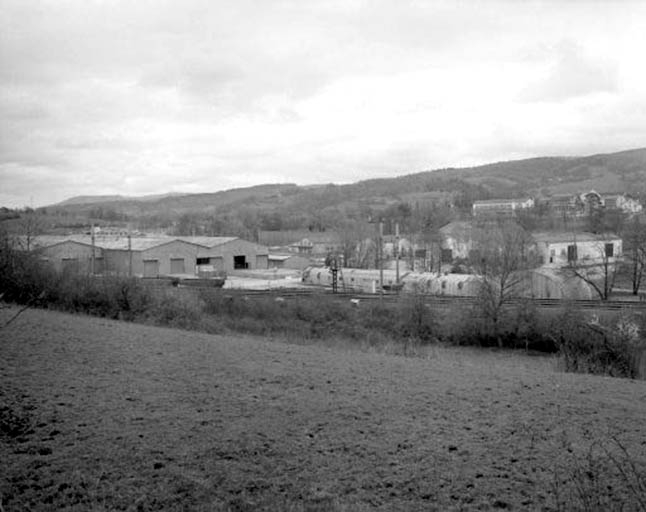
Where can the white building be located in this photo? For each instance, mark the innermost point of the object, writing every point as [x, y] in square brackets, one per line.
[566, 249]
[502, 207]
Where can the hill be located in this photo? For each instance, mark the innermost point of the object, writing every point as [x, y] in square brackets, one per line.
[288, 206]
[84, 200]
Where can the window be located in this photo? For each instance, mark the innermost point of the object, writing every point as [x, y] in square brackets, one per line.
[610, 250]
[571, 253]
[203, 261]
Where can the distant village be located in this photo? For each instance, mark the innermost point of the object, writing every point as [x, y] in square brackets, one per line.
[568, 231]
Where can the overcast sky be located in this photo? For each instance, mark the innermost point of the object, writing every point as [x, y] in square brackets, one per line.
[141, 97]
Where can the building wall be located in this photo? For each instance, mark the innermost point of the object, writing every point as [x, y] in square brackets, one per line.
[555, 254]
[255, 256]
[178, 250]
[73, 256]
[459, 248]
[117, 262]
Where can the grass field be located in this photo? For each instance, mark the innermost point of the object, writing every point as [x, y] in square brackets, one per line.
[98, 414]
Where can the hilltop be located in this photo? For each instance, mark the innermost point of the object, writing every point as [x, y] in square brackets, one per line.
[244, 211]
[622, 171]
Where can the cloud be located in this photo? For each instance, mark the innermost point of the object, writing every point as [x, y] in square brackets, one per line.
[199, 95]
[571, 74]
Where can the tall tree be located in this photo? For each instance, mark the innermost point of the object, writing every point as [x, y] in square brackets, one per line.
[503, 252]
[600, 270]
[635, 251]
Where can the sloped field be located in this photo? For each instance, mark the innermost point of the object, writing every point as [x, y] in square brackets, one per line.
[103, 415]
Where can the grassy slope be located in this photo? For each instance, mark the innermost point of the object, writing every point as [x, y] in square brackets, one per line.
[134, 417]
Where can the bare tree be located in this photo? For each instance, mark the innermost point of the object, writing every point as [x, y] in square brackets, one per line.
[30, 225]
[600, 269]
[503, 251]
[353, 236]
[635, 240]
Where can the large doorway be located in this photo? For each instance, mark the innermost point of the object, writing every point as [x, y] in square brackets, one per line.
[151, 268]
[240, 262]
[177, 266]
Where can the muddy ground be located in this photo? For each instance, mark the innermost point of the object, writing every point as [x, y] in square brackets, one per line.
[105, 415]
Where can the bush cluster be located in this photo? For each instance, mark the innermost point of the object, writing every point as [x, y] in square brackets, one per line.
[583, 346]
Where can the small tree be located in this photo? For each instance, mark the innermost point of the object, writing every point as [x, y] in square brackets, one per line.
[599, 273]
[635, 240]
[503, 252]
[30, 225]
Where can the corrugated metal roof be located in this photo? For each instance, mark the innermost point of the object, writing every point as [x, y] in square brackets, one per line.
[103, 242]
[42, 241]
[560, 237]
[136, 243]
[207, 241]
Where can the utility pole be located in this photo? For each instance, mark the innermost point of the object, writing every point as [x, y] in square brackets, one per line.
[397, 253]
[334, 268]
[129, 254]
[93, 251]
[380, 251]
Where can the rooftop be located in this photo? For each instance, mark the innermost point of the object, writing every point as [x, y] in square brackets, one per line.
[501, 201]
[120, 242]
[206, 241]
[560, 237]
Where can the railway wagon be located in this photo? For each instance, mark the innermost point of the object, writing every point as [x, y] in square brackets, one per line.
[464, 285]
[351, 279]
[538, 283]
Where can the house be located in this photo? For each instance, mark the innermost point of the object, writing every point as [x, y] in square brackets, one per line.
[317, 243]
[289, 261]
[456, 240]
[622, 202]
[501, 207]
[557, 249]
[592, 202]
[564, 204]
[393, 245]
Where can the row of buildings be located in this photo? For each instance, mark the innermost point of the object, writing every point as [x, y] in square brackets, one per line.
[148, 256]
[457, 242]
[155, 256]
[579, 204]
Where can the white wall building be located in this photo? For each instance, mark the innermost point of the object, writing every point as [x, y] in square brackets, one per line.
[566, 249]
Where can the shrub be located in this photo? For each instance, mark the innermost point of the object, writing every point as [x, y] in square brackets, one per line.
[589, 346]
[604, 476]
[176, 310]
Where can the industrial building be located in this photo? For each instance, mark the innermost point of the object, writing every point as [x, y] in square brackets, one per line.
[150, 256]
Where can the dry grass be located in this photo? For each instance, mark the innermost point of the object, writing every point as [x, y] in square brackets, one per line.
[98, 414]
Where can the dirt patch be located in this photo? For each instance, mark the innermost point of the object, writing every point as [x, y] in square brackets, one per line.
[99, 414]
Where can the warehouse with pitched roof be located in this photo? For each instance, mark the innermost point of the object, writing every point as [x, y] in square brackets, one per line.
[151, 256]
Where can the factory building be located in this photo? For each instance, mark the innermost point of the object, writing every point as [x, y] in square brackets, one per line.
[151, 256]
